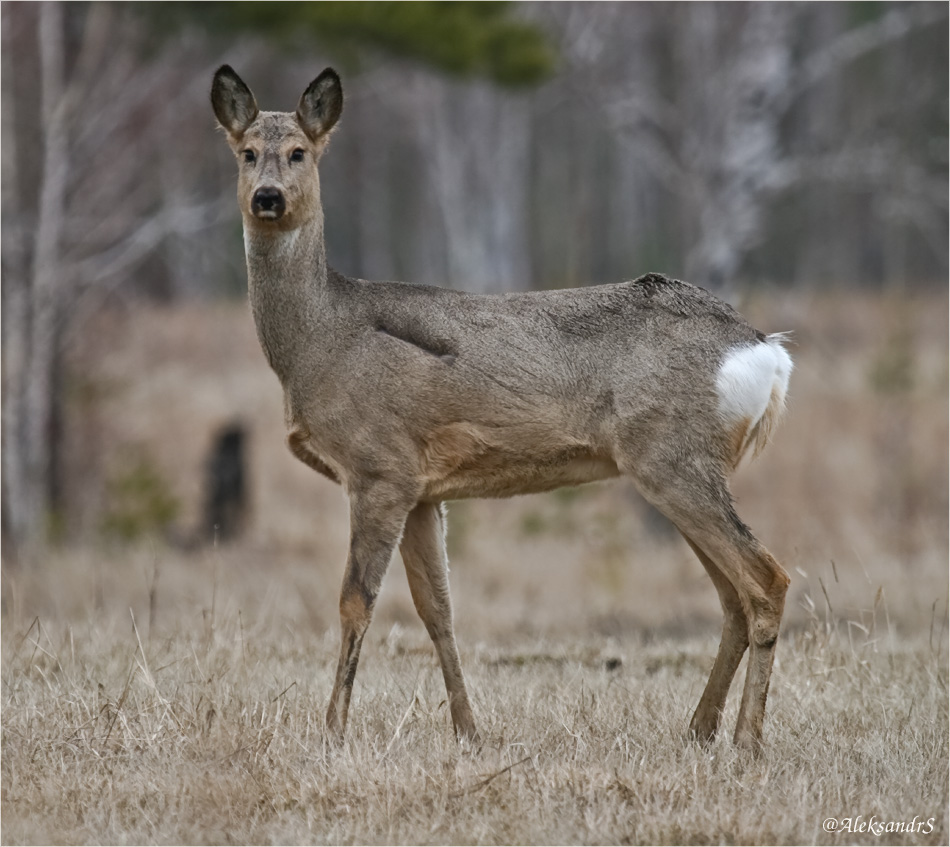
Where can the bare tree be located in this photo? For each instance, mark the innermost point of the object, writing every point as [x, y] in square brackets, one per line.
[80, 214]
[456, 154]
[703, 102]
[32, 294]
[477, 139]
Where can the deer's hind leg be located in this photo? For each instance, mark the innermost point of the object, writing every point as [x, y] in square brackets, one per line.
[732, 647]
[377, 516]
[423, 553]
[698, 502]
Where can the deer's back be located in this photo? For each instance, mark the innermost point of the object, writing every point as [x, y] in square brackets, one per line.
[622, 345]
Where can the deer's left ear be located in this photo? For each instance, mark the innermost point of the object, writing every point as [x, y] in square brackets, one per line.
[320, 105]
[234, 105]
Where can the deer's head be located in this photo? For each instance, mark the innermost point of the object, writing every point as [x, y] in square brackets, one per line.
[277, 152]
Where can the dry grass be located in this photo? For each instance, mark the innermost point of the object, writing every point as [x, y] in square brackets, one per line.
[214, 735]
[202, 723]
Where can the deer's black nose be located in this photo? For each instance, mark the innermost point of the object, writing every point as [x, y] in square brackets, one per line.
[268, 203]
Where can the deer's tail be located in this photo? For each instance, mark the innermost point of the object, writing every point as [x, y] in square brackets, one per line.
[752, 384]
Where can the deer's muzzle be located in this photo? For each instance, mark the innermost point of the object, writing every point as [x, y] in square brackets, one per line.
[268, 203]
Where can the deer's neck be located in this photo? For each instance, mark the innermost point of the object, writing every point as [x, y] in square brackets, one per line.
[287, 285]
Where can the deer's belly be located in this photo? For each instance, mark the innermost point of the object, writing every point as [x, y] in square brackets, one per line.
[464, 460]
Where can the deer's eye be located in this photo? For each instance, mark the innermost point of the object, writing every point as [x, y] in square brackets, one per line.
[297, 155]
[249, 156]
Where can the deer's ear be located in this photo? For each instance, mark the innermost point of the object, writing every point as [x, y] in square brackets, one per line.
[320, 105]
[234, 105]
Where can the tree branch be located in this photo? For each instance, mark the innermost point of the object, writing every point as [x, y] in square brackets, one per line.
[860, 41]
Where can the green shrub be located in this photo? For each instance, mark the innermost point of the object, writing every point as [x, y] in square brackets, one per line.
[140, 503]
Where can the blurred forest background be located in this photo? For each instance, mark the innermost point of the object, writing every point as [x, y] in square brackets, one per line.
[759, 149]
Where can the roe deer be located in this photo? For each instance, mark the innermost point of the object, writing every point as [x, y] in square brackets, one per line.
[410, 395]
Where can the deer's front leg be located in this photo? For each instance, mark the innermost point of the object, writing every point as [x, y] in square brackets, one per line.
[377, 516]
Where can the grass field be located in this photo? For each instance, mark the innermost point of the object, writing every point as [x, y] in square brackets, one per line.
[155, 693]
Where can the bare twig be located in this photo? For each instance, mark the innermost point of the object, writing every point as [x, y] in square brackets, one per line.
[282, 693]
[479, 785]
[827, 600]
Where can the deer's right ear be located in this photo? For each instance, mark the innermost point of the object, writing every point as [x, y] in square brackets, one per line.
[234, 105]
[320, 105]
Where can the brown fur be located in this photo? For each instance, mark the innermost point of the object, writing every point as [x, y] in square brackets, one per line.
[408, 395]
[739, 439]
[450, 448]
[298, 441]
[762, 432]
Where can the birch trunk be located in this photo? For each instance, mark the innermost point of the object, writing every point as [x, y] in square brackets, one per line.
[30, 484]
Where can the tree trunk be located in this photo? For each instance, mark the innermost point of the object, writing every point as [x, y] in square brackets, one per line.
[478, 141]
[30, 405]
[735, 178]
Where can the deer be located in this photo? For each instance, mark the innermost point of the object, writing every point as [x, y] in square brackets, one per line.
[410, 395]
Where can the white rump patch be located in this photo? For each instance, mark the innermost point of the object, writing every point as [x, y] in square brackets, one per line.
[753, 380]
